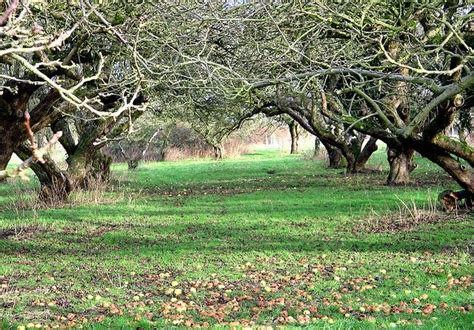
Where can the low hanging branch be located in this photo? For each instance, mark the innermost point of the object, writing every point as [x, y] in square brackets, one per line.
[37, 154]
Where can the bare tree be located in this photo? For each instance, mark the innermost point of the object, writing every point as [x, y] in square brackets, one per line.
[53, 70]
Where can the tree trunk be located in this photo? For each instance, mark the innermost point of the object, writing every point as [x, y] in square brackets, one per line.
[317, 146]
[163, 154]
[88, 167]
[55, 183]
[84, 172]
[294, 134]
[218, 152]
[369, 148]
[163, 149]
[132, 164]
[6, 151]
[99, 170]
[12, 127]
[401, 165]
[461, 173]
[8, 141]
[335, 157]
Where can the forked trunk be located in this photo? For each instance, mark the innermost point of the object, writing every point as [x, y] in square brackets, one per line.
[401, 165]
[218, 152]
[363, 157]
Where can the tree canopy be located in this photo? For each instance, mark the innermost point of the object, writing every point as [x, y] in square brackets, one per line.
[347, 72]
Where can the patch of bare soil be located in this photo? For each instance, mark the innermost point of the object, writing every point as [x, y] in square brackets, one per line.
[90, 232]
[21, 233]
[398, 222]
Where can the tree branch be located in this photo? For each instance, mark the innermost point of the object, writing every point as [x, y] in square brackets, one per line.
[427, 82]
[451, 90]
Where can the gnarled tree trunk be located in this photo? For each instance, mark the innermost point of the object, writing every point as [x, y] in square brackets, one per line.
[335, 157]
[99, 170]
[56, 184]
[83, 172]
[294, 135]
[401, 165]
[10, 135]
[6, 151]
[88, 167]
[218, 152]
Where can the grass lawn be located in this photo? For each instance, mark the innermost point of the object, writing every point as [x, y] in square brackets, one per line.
[226, 243]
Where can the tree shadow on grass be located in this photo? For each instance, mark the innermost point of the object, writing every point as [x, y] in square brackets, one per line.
[320, 209]
[279, 222]
[280, 181]
[216, 239]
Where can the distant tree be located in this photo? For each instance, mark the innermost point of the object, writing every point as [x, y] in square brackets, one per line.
[210, 115]
[293, 129]
[150, 131]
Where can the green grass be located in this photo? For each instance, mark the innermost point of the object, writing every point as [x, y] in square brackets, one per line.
[295, 247]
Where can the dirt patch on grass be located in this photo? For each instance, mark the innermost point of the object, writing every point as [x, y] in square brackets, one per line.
[91, 232]
[20, 233]
[28, 232]
[396, 222]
